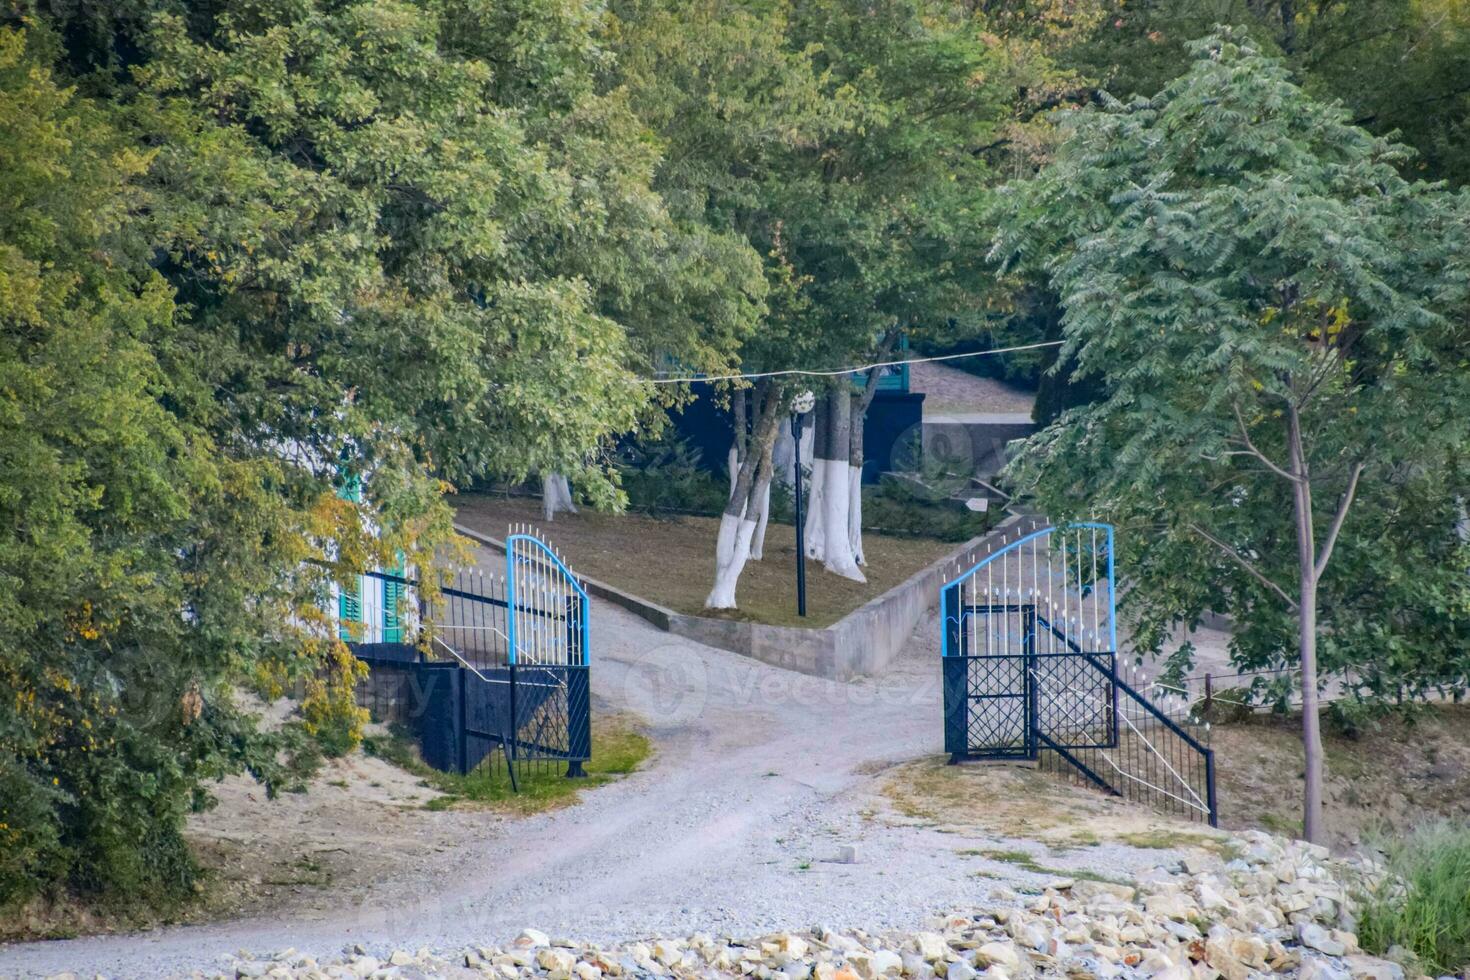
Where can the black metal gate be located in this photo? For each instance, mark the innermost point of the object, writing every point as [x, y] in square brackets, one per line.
[1030, 673]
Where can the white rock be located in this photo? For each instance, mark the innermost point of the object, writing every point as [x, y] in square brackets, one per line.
[555, 960]
[886, 961]
[1320, 968]
[1320, 939]
[931, 946]
[1032, 935]
[667, 953]
[533, 938]
[792, 945]
[1363, 967]
[1172, 905]
[960, 970]
[1003, 955]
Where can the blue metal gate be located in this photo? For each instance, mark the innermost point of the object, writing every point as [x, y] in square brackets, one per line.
[1030, 673]
[494, 676]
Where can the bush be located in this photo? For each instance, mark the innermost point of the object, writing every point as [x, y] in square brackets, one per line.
[923, 506]
[663, 474]
[887, 515]
[1424, 905]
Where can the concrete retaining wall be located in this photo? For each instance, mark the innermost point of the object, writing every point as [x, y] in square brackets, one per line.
[864, 641]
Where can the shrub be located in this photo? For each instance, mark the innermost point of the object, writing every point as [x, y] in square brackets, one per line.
[663, 474]
[1424, 904]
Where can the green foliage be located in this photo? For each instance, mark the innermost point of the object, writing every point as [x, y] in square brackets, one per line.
[1232, 254]
[248, 253]
[1398, 65]
[104, 489]
[1424, 903]
[663, 474]
[842, 141]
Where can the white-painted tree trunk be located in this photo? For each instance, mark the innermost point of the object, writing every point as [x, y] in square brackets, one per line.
[836, 496]
[732, 551]
[762, 518]
[816, 539]
[861, 404]
[816, 545]
[751, 484]
[783, 457]
[556, 496]
[855, 513]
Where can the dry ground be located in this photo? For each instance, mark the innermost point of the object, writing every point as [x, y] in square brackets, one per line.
[1400, 772]
[671, 561]
[1049, 826]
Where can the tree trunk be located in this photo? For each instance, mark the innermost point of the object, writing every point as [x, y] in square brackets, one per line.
[556, 496]
[816, 545]
[855, 457]
[855, 479]
[738, 435]
[738, 522]
[1307, 563]
[762, 516]
[836, 498]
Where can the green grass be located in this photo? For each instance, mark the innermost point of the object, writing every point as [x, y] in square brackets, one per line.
[1026, 862]
[1167, 839]
[617, 549]
[617, 749]
[1426, 906]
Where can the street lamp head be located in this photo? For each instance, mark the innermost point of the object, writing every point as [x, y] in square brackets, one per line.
[803, 403]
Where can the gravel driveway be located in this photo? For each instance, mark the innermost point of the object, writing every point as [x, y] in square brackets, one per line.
[760, 778]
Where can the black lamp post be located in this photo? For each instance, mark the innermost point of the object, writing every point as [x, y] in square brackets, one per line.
[800, 406]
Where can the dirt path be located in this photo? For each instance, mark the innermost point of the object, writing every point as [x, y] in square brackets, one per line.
[760, 777]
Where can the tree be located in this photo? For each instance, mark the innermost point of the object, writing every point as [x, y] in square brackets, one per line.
[1400, 66]
[1276, 317]
[141, 562]
[259, 251]
[845, 143]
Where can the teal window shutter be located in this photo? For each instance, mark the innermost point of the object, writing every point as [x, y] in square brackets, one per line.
[392, 597]
[349, 610]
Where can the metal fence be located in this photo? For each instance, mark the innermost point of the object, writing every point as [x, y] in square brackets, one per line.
[1030, 673]
[493, 676]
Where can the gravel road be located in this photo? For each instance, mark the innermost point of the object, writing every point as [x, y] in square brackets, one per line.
[760, 777]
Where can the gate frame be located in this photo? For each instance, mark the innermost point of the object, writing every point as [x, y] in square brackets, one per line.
[578, 639]
[460, 674]
[956, 659]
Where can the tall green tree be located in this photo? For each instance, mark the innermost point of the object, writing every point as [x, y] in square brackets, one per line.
[259, 249]
[847, 144]
[139, 561]
[1277, 318]
[1399, 66]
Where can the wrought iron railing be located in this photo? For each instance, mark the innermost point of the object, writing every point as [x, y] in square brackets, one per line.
[493, 676]
[1030, 673]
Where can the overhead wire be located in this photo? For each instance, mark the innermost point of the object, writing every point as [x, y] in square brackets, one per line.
[838, 372]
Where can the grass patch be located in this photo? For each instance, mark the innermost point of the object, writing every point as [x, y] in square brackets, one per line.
[618, 748]
[614, 548]
[1164, 839]
[1425, 906]
[1026, 862]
